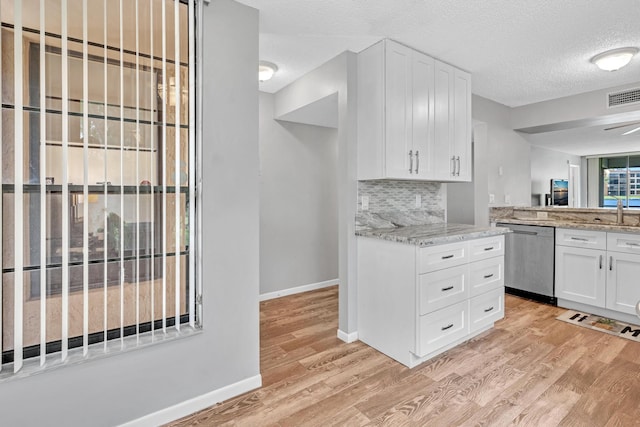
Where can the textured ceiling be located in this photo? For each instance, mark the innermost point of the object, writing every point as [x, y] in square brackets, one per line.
[519, 51]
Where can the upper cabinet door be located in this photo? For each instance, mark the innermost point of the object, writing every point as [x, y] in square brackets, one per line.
[452, 146]
[462, 124]
[445, 165]
[399, 154]
[423, 115]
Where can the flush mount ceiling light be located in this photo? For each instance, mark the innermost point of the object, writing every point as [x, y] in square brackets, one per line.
[266, 70]
[614, 59]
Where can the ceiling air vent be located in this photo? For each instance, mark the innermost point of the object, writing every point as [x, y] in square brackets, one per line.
[630, 96]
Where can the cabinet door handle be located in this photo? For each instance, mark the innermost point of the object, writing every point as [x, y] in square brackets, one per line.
[610, 263]
[600, 262]
[486, 310]
[486, 276]
[458, 160]
[580, 239]
[447, 256]
[448, 288]
[410, 161]
[417, 161]
[444, 328]
[490, 248]
[453, 163]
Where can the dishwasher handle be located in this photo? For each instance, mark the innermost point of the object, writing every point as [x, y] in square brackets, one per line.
[530, 233]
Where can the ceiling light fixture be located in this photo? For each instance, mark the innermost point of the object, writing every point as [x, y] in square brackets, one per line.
[614, 59]
[266, 70]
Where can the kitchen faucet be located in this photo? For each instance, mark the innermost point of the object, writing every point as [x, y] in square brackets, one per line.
[620, 214]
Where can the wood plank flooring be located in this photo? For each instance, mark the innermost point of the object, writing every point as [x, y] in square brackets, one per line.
[529, 370]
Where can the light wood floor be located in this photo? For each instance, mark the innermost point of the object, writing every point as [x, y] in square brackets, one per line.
[529, 370]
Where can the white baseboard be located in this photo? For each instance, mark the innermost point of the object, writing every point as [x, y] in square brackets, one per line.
[348, 338]
[298, 289]
[196, 404]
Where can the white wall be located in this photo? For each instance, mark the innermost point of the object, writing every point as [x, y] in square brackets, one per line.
[298, 202]
[548, 164]
[116, 389]
[337, 75]
[506, 149]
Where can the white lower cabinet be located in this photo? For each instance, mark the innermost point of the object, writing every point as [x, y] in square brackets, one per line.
[441, 288]
[485, 309]
[443, 327]
[623, 282]
[414, 303]
[580, 275]
[604, 280]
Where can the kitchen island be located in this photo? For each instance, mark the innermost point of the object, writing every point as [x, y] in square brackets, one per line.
[423, 289]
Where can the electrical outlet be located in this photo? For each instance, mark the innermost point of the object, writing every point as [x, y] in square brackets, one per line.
[418, 201]
[542, 215]
[507, 199]
[365, 203]
[492, 198]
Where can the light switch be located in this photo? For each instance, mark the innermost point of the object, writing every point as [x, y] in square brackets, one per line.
[492, 198]
[507, 199]
[418, 201]
[365, 203]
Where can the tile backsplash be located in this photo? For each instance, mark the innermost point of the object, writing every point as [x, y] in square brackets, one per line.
[400, 196]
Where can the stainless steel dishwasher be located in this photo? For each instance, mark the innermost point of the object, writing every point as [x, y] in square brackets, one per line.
[530, 261]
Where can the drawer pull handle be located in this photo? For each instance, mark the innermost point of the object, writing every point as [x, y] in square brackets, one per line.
[580, 239]
[490, 248]
[447, 256]
[448, 288]
[488, 309]
[633, 244]
[486, 276]
[444, 328]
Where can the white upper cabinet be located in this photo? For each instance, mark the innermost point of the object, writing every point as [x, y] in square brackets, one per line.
[423, 115]
[452, 152]
[414, 116]
[462, 125]
[399, 111]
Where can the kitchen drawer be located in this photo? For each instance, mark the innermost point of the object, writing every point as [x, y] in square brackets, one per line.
[441, 288]
[623, 242]
[437, 257]
[485, 309]
[486, 248]
[589, 239]
[442, 327]
[486, 275]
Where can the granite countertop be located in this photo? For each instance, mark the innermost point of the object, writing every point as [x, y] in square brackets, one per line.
[432, 234]
[559, 223]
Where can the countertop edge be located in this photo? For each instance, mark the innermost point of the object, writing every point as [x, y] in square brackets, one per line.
[569, 224]
[446, 237]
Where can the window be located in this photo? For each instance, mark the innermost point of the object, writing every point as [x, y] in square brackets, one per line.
[618, 181]
[98, 206]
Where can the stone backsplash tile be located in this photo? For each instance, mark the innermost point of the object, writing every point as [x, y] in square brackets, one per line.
[400, 196]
